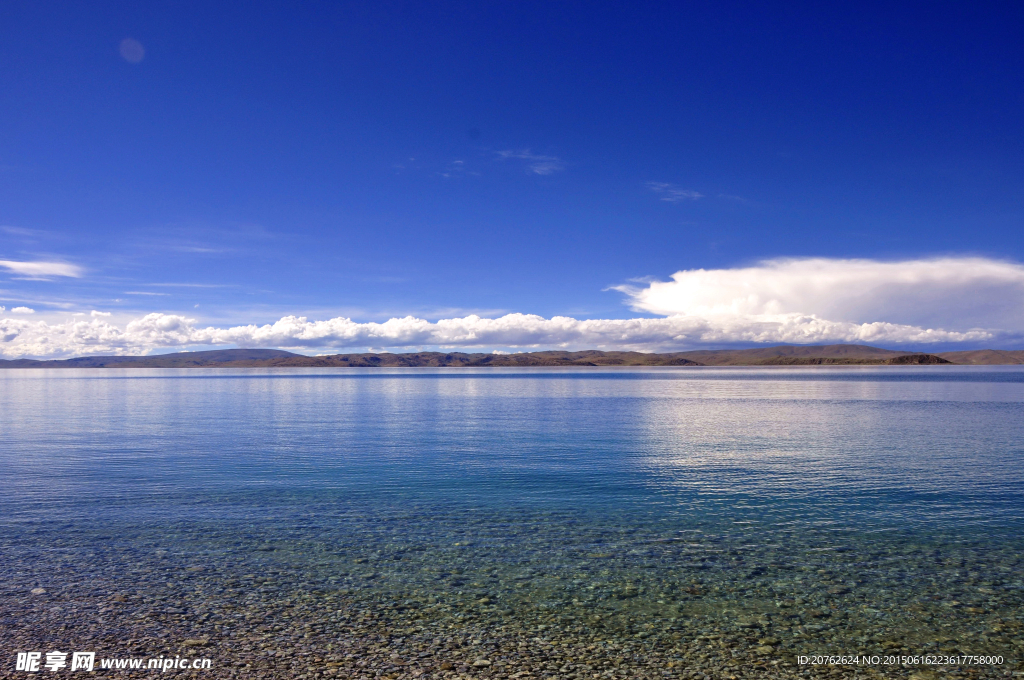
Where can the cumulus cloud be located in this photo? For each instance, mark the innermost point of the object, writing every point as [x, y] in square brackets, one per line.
[23, 310]
[42, 270]
[525, 331]
[951, 292]
[947, 300]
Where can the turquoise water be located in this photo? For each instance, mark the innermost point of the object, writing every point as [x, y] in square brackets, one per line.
[798, 511]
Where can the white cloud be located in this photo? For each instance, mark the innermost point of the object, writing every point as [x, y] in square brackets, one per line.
[672, 193]
[917, 302]
[42, 270]
[22, 310]
[537, 164]
[951, 292]
[96, 313]
[191, 285]
[525, 331]
[545, 167]
[20, 231]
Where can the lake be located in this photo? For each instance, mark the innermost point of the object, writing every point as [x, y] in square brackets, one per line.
[572, 523]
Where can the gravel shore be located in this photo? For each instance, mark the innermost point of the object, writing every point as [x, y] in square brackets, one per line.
[308, 605]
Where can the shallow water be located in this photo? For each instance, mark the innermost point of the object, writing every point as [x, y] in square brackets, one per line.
[713, 520]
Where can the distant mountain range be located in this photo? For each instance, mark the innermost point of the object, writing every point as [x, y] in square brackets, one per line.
[780, 355]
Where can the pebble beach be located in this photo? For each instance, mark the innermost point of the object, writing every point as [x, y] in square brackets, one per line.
[306, 604]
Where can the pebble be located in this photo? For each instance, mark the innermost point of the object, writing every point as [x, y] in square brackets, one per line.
[647, 608]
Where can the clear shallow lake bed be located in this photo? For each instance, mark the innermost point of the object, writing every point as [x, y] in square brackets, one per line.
[551, 523]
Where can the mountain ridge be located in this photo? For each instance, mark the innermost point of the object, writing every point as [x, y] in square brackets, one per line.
[778, 355]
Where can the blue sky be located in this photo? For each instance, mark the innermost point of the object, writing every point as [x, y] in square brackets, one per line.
[237, 163]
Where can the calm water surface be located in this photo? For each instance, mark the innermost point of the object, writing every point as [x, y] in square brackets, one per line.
[799, 510]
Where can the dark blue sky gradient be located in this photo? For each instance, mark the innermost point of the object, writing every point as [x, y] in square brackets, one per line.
[317, 158]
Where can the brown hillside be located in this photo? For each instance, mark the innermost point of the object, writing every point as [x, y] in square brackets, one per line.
[781, 355]
[985, 357]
